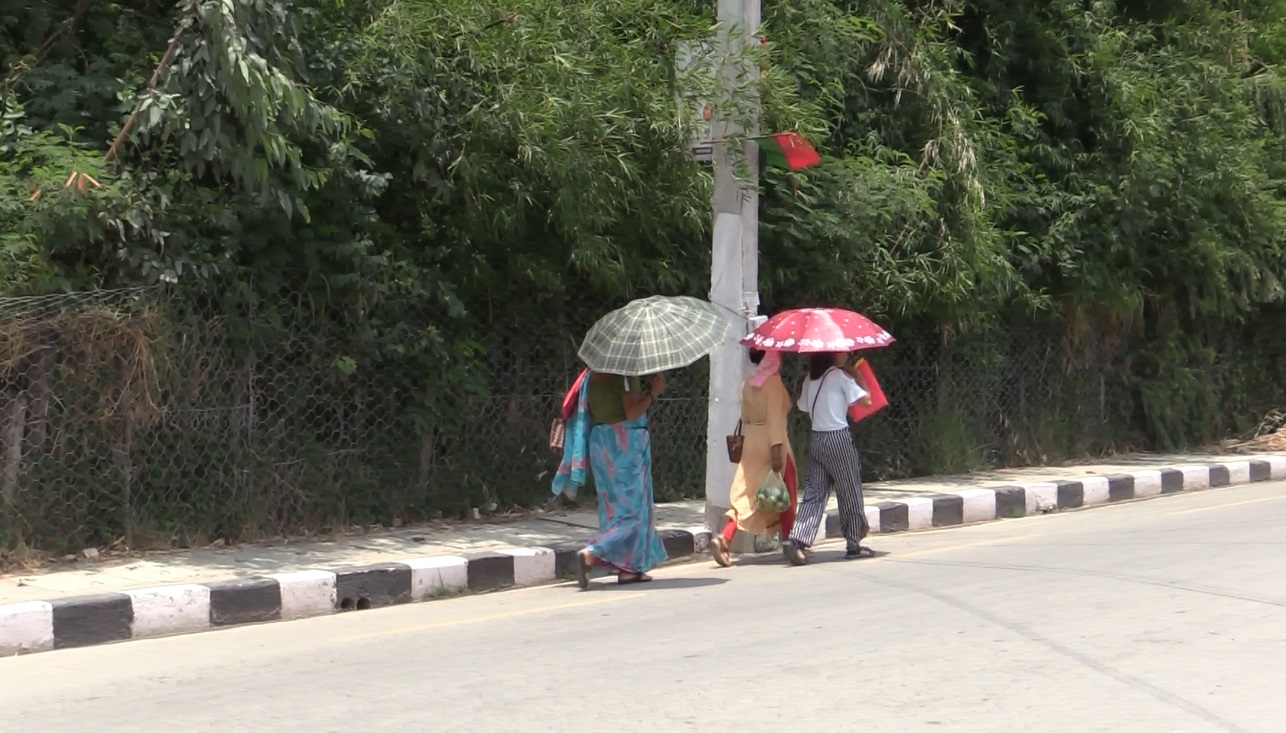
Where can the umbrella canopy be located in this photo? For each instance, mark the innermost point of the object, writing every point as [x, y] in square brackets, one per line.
[653, 335]
[807, 330]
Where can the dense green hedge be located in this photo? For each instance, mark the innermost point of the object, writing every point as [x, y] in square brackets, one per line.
[1082, 200]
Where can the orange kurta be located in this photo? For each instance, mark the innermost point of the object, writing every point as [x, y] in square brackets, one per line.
[763, 418]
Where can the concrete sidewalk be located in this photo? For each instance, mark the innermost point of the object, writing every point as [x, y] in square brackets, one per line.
[213, 564]
[192, 590]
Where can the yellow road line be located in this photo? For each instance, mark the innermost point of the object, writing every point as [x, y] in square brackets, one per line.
[1225, 506]
[953, 548]
[491, 617]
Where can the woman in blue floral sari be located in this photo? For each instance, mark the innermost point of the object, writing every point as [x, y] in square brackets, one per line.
[608, 433]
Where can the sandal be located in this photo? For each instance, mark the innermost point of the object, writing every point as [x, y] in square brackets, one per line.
[719, 551]
[584, 563]
[795, 555]
[859, 552]
[628, 578]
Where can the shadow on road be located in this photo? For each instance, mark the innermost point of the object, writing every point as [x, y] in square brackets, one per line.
[819, 556]
[660, 584]
[609, 583]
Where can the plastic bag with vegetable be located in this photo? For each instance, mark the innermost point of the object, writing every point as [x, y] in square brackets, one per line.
[772, 496]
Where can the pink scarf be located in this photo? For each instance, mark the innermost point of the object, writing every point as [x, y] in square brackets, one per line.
[768, 366]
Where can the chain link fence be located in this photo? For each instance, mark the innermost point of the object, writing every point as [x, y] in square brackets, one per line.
[139, 418]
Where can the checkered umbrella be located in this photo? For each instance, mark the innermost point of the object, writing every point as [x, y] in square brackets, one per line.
[653, 335]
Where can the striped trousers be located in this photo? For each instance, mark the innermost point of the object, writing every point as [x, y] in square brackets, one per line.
[833, 462]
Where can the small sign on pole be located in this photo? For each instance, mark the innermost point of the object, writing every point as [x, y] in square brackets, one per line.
[696, 71]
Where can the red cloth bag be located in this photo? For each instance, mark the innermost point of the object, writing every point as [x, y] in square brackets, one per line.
[859, 411]
[558, 428]
[572, 396]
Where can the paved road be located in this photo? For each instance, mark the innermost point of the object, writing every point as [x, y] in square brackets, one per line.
[1154, 617]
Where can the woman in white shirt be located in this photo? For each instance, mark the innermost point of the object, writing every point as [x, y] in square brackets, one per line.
[830, 389]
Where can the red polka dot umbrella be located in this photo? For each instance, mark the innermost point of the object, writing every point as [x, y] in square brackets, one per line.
[806, 330]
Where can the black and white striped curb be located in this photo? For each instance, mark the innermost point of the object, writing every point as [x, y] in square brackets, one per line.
[1021, 500]
[166, 610]
[36, 626]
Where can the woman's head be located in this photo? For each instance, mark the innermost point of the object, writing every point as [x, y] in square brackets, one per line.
[766, 365]
[820, 362]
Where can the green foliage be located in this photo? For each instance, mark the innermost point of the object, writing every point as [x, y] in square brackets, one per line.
[41, 172]
[410, 174]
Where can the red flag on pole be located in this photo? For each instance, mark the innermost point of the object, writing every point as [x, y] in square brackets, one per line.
[789, 150]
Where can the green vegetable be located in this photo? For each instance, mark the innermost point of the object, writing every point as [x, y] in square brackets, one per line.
[772, 495]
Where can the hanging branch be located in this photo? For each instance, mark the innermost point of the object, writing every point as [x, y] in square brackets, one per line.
[114, 150]
[43, 50]
[82, 181]
[506, 18]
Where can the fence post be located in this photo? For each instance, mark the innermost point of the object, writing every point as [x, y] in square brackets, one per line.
[121, 449]
[15, 427]
[40, 369]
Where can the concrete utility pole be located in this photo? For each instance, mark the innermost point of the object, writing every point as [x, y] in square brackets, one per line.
[734, 262]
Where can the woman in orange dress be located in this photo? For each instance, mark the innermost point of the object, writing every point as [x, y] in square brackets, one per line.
[765, 404]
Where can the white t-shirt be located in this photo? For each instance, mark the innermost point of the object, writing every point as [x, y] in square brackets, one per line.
[839, 391]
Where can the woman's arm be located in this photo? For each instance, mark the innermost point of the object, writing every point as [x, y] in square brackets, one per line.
[853, 371]
[778, 409]
[802, 404]
[637, 402]
[858, 377]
